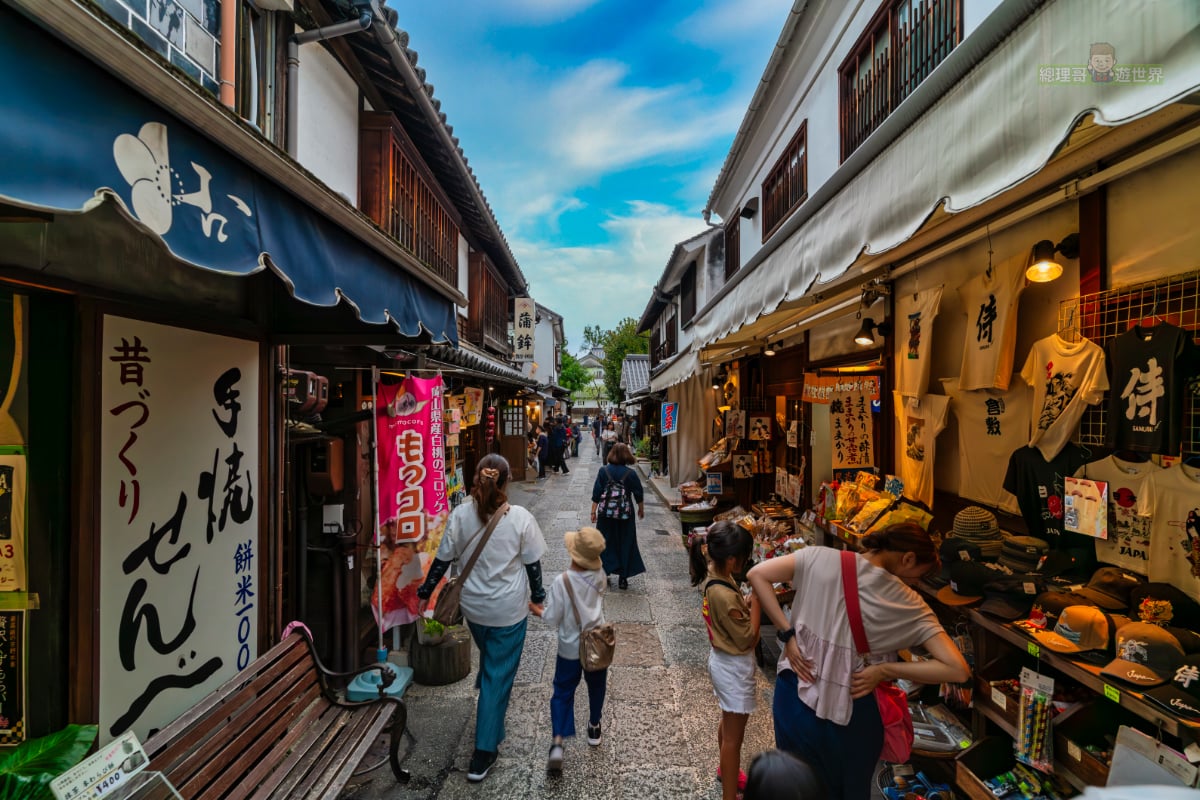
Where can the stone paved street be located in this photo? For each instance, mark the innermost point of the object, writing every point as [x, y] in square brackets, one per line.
[660, 717]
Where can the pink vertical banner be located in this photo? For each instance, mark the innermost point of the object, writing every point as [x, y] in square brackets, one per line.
[413, 509]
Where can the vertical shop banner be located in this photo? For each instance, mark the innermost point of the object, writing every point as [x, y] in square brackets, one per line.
[850, 430]
[473, 406]
[179, 533]
[13, 346]
[413, 509]
[524, 322]
[670, 418]
[12, 520]
[12, 677]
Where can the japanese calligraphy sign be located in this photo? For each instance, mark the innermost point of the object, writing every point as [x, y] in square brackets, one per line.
[13, 392]
[670, 418]
[179, 504]
[822, 388]
[12, 677]
[412, 490]
[12, 519]
[524, 324]
[851, 429]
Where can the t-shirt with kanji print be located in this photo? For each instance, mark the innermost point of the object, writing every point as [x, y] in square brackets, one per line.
[1148, 369]
[992, 423]
[915, 312]
[1171, 498]
[991, 306]
[1128, 542]
[920, 420]
[1066, 378]
[1038, 486]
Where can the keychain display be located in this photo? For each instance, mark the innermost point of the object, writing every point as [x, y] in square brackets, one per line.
[1034, 744]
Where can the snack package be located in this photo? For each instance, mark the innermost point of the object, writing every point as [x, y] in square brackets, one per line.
[849, 500]
[869, 513]
[903, 512]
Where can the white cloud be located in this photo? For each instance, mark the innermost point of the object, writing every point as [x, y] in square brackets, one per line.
[717, 23]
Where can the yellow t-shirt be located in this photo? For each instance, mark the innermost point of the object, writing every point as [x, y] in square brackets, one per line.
[727, 616]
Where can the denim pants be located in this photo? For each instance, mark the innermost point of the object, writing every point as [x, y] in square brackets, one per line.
[844, 755]
[567, 672]
[499, 655]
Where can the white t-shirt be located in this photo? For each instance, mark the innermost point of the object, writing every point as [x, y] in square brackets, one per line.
[1128, 542]
[921, 420]
[589, 599]
[992, 423]
[496, 592]
[991, 306]
[915, 312]
[1171, 498]
[1066, 378]
[894, 618]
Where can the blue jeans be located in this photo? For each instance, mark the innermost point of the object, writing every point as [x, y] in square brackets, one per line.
[499, 655]
[844, 755]
[567, 672]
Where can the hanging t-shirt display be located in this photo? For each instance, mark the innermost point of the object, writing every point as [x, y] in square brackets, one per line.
[1148, 369]
[915, 312]
[992, 423]
[920, 420]
[1066, 378]
[1128, 543]
[1038, 487]
[1171, 498]
[991, 306]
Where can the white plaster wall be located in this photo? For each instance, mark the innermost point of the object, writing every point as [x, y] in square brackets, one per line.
[543, 351]
[327, 145]
[464, 277]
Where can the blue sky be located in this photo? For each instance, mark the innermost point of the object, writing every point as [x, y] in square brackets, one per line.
[595, 127]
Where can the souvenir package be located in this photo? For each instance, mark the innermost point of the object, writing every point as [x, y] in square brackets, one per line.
[1035, 743]
[867, 480]
[826, 505]
[869, 513]
[903, 512]
[848, 500]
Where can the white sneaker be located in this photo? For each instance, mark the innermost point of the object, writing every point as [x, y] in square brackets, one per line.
[555, 761]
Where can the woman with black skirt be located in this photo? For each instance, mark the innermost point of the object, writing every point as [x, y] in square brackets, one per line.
[616, 490]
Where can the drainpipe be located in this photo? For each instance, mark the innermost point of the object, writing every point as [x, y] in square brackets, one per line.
[293, 66]
[227, 66]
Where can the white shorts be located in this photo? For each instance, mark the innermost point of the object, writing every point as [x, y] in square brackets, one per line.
[733, 681]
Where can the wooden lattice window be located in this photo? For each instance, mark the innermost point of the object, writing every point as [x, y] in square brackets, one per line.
[733, 244]
[687, 294]
[786, 186]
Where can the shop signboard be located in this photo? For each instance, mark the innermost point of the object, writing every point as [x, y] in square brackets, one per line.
[524, 325]
[12, 519]
[413, 507]
[714, 483]
[850, 430]
[670, 418]
[823, 389]
[12, 677]
[180, 495]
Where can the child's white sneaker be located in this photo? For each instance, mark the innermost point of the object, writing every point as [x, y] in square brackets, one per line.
[593, 734]
[555, 761]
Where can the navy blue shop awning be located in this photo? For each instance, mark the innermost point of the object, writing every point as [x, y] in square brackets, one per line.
[73, 137]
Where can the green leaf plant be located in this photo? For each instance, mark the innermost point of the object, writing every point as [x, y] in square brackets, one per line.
[27, 770]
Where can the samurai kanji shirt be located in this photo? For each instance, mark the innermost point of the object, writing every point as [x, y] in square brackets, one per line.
[1128, 542]
[992, 423]
[921, 420]
[1171, 498]
[915, 312]
[1066, 378]
[1038, 487]
[1148, 370]
[991, 306]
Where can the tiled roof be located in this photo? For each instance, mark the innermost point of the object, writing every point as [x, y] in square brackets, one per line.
[635, 374]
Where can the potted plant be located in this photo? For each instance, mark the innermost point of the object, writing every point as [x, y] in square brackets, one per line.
[27, 770]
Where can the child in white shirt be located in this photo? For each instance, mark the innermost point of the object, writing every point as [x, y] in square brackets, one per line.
[587, 583]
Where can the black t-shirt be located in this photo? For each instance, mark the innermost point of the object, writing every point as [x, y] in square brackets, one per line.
[1038, 486]
[1149, 369]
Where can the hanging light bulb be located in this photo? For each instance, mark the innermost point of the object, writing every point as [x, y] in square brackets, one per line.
[1043, 268]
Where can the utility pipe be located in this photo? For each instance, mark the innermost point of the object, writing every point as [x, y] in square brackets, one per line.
[227, 66]
[293, 66]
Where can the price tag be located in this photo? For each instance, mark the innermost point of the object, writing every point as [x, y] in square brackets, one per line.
[1112, 693]
[1073, 751]
[999, 699]
[1029, 587]
[1033, 649]
[1043, 684]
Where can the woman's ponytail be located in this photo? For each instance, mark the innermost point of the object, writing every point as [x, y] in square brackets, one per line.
[488, 488]
[697, 560]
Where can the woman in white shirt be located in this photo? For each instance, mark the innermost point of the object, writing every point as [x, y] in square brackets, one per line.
[496, 596]
[824, 701]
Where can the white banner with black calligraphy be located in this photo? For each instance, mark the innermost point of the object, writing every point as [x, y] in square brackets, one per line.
[179, 506]
[524, 323]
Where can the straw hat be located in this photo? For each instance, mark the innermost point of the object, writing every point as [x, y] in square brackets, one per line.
[585, 546]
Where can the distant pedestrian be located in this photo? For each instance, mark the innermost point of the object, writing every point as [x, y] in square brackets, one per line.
[586, 577]
[614, 493]
[558, 442]
[543, 451]
[733, 632]
[607, 439]
[576, 438]
[597, 427]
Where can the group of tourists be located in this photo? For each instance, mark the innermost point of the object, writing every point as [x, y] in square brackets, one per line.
[826, 714]
[552, 445]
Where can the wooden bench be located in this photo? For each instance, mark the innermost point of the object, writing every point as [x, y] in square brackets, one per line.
[277, 729]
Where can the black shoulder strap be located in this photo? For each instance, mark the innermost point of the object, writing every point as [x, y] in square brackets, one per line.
[719, 582]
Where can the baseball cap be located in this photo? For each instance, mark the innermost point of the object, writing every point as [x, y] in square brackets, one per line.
[1181, 694]
[1078, 628]
[967, 579]
[1167, 606]
[1005, 605]
[1053, 602]
[1110, 587]
[1147, 655]
[1022, 553]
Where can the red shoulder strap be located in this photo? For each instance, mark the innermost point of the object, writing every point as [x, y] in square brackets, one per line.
[853, 609]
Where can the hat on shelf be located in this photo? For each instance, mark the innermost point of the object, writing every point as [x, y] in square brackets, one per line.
[1079, 628]
[1052, 603]
[952, 551]
[968, 580]
[980, 527]
[585, 546]
[1023, 553]
[1111, 587]
[1181, 694]
[1005, 605]
[1146, 655]
[1163, 604]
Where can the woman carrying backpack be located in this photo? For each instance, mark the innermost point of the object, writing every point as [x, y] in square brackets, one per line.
[616, 490]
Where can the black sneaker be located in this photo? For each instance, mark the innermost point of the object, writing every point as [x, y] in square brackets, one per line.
[555, 761]
[594, 734]
[481, 762]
